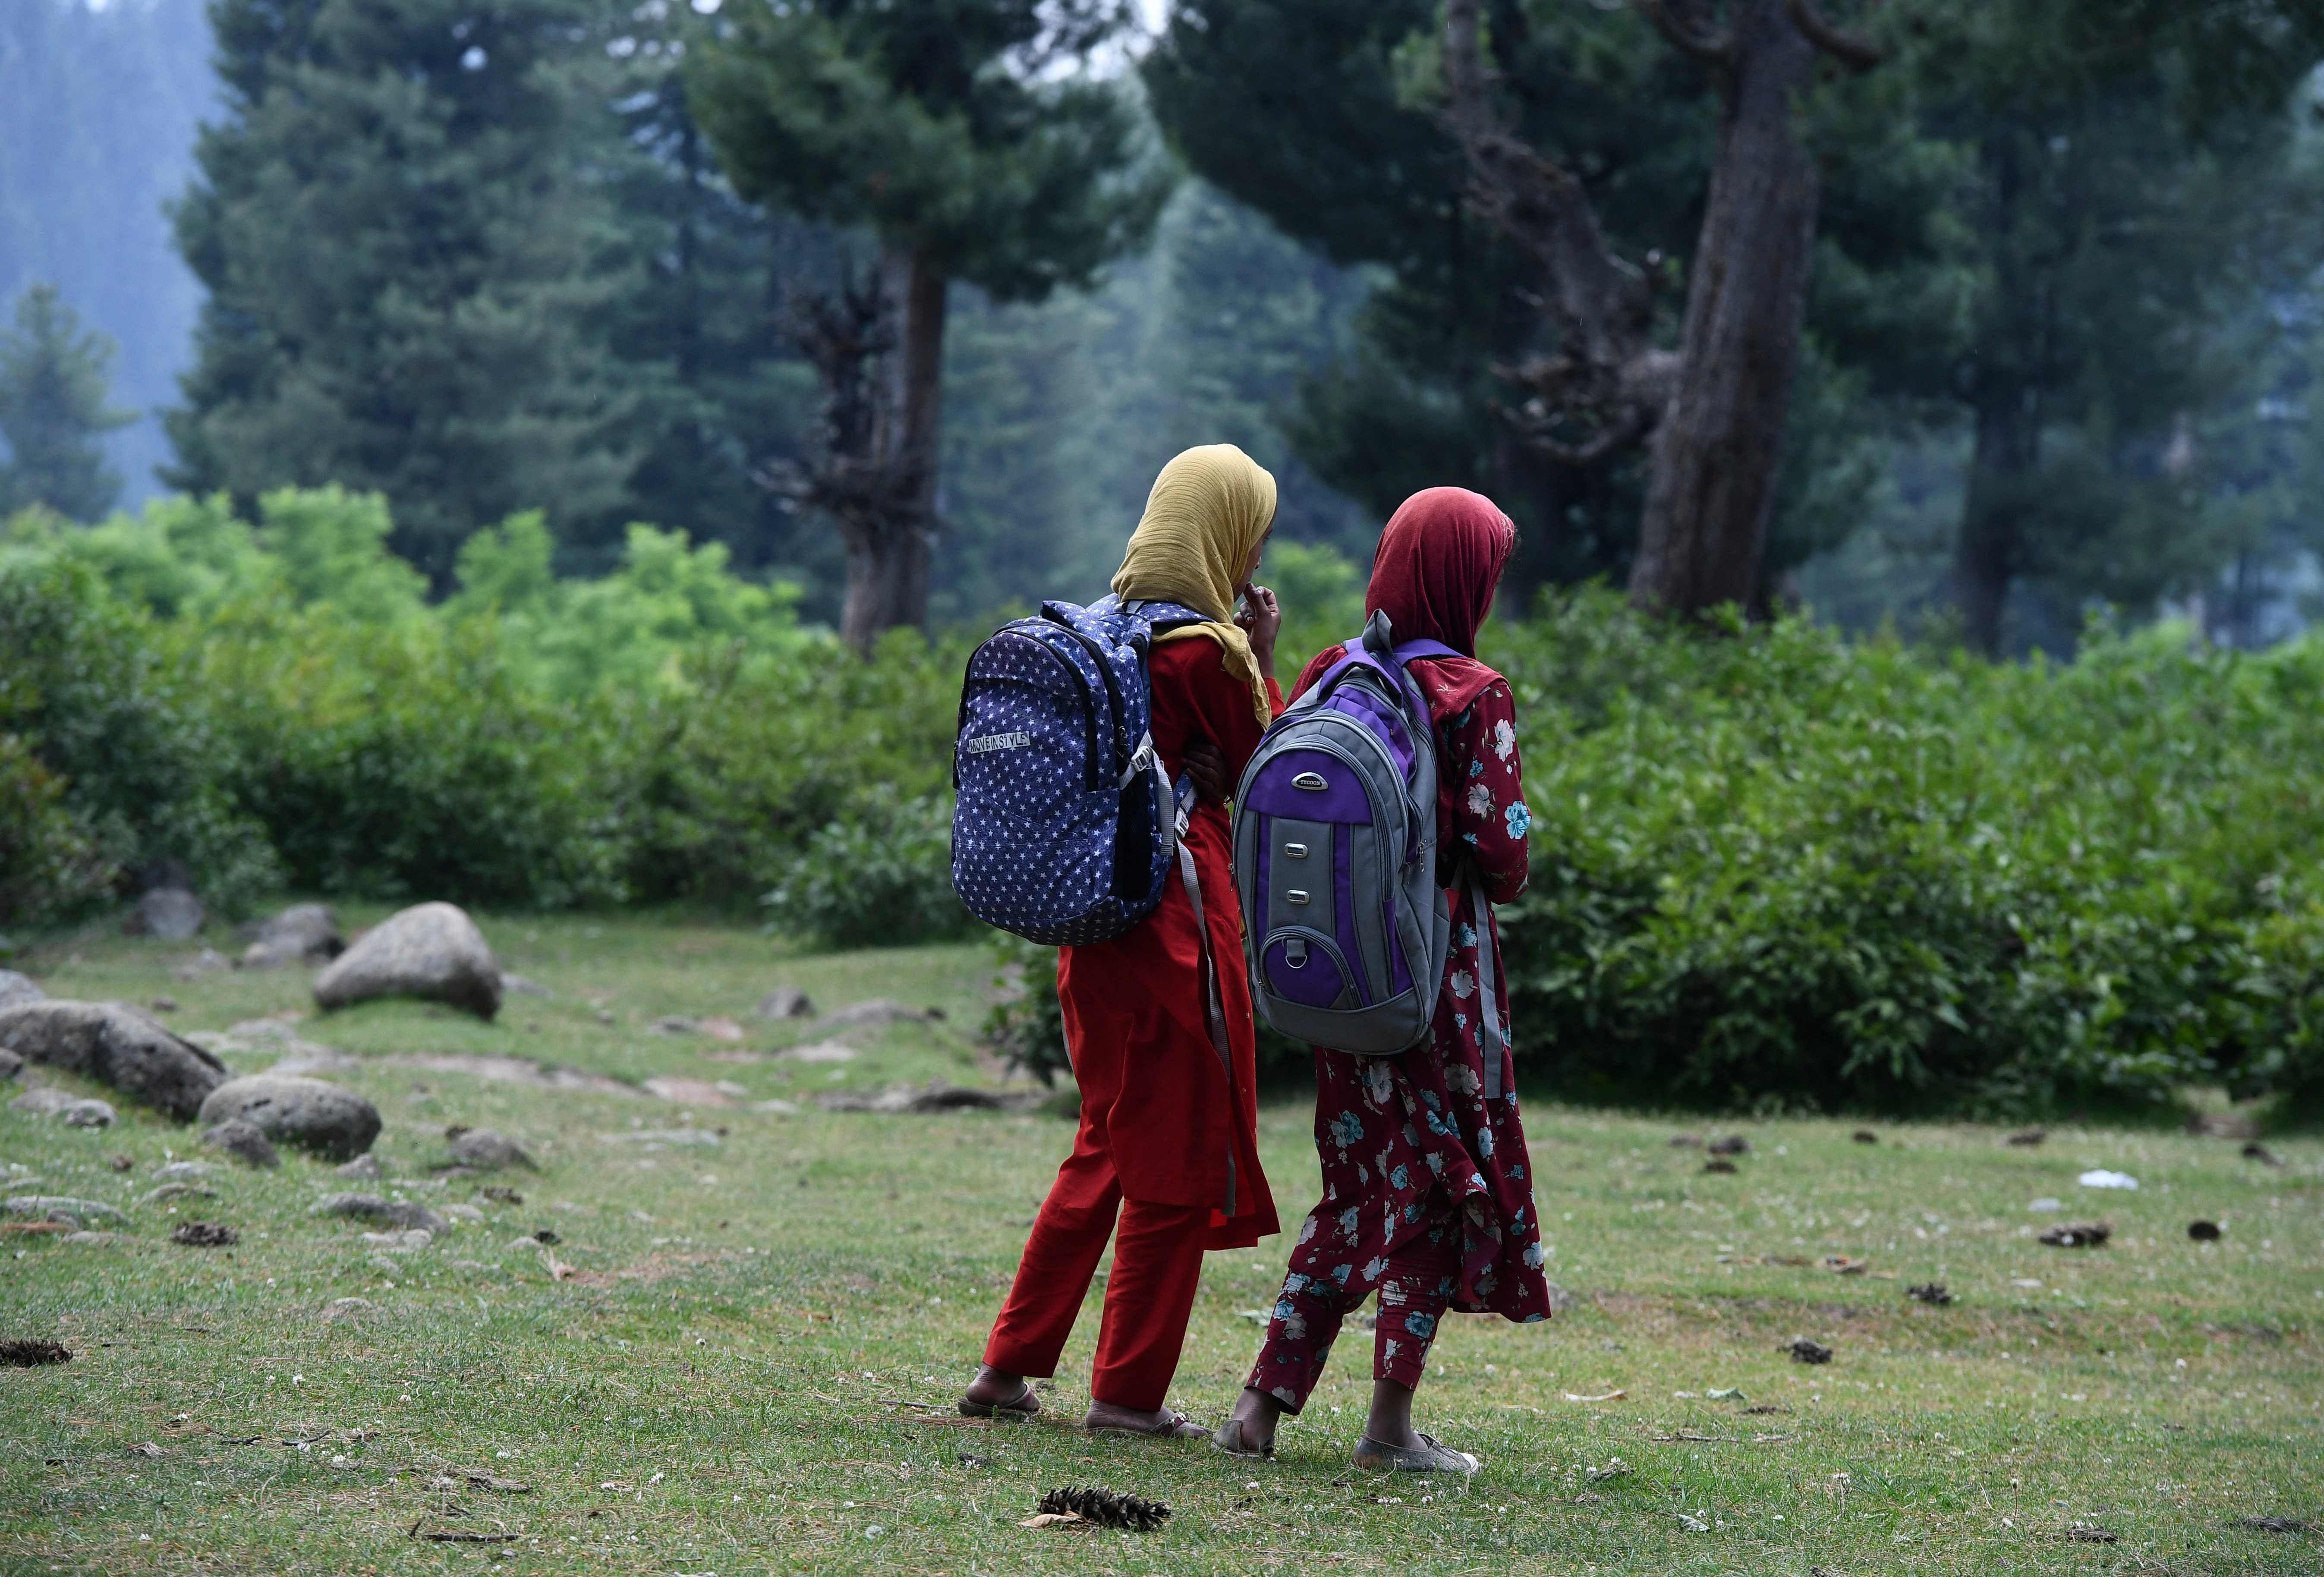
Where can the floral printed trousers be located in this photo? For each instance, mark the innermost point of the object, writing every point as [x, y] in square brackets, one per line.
[1415, 1277]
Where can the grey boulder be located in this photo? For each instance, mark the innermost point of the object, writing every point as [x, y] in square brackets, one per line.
[363, 1169]
[115, 1045]
[245, 1142]
[72, 1110]
[16, 990]
[10, 1064]
[432, 951]
[394, 1212]
[334, 1123]
[305, 932]
[170, 913]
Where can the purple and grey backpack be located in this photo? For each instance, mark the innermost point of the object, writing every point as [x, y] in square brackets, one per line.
[1064, 828]
[1345, 929]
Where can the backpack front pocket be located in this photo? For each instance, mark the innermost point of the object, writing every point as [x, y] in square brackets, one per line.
[1306, 966]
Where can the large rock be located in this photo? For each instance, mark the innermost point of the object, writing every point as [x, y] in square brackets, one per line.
[432, 951]
[16, 991]
[117, 1046]
[170, 913]
[305, 932]
[486, 1150]
[336, 1124]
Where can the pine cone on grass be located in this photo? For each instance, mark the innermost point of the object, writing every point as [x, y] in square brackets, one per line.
[1105, 1508]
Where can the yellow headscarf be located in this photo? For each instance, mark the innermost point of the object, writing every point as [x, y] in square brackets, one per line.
[1209, 509]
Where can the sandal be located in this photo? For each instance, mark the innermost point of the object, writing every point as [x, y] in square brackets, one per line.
[1173, 1426]
[1428, 1457]
[1230, 1439]
[1023, 1404]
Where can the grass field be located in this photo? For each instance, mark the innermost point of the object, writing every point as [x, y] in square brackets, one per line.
[748, 1364]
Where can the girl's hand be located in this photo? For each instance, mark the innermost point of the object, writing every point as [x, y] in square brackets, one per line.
[1260, 619]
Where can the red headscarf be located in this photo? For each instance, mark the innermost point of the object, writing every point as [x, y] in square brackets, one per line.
[1433, 575]
[1437, 565]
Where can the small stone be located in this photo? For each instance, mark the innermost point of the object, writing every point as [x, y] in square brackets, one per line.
[203, 1234]
[16, 990]
[334, 1123]
[407, 1241]
[777, 1107]
[484, 1149]
[517, 985]
[821, 1051]
[244, 1141]
[2090, 1234]
[2203, 1231]
[91, 1237]
[306, 933]
[62, 1207]
[499, 1195]
[400, 1213]
[672, 1024]
[1865, 1136]
[120, 1163]
[720, 1029]
[165, 1004]
[432, 951]
[192, 967]
[468, 1212]
[170, 913]
[688, 1092]
[184, 1171]
[786, 1002]
[1803, 1351]
[665, 1136]
[168, 1191]
[878, 1011]
[1686, 1141]
[363, 1169]
[1733, 1144]
[72, 1110]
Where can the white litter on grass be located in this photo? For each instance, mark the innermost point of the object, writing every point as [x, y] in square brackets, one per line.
[2102, 1178]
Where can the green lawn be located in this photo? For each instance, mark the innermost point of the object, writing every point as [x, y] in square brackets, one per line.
[730, 1379]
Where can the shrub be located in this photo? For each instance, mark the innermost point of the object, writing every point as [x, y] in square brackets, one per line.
[123, 743]
[880, 874]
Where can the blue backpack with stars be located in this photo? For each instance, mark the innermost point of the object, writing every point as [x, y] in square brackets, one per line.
[1064, 827]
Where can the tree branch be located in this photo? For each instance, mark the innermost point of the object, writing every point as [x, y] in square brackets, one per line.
[1691, 36]
[1852, 51]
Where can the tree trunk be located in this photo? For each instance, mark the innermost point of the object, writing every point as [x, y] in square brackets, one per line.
[889, 550]
[1987, 554]
[1711, 488]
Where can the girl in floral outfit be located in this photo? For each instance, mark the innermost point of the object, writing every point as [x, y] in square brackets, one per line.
[1428, 1190]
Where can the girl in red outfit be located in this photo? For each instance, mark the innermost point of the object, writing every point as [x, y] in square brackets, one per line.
[1428, 1191]
[1159, 1028]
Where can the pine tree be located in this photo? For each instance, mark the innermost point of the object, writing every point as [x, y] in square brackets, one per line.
[54, 411]
[962, 133]
[407, 267]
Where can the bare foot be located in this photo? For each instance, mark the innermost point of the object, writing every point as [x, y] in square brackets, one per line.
[1161, 1421]
[992, 1394]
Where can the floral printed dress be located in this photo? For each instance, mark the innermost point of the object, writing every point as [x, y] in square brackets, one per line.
[1428, 1188]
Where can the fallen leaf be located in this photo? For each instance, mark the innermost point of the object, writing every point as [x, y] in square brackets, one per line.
[1054, 1520]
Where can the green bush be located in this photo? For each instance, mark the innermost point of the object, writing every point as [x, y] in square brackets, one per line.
[880, 874]
[1775, 867]
[115, 738]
